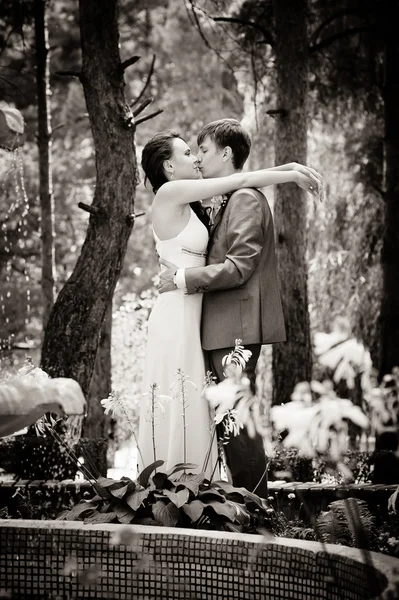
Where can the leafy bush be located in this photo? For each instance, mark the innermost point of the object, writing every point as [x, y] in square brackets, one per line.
[290, 465]
[38, 504]
[174, 499]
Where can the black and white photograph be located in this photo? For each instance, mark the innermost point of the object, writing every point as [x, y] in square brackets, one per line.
[199, 299]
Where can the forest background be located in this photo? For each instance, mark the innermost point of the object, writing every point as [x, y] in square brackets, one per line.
[199, 62]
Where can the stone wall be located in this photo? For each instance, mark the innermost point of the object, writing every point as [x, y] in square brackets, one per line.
[70, 560]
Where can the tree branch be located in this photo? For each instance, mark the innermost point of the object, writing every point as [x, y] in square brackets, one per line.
[338, 36]
[77, 120]
[132, 217]
[268, 38]
[150, 74]
[331, 19]
[77, 74]
[93, 210]
[277, 111]
[143, 106]
[129, 62]
[17, 252]
[193, 17]
[150, 116]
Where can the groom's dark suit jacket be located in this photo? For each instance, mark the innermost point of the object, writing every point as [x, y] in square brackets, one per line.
[242, 299]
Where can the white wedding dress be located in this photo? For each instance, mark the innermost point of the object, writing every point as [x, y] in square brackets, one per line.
[174, 343]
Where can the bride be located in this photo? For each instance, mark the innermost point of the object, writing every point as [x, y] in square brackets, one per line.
[178, 429]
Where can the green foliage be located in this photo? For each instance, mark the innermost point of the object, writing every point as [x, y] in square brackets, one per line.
[345, 233]
[348, 522]
[289, 465]
[178, 498]
[129, 335]
[36, 504]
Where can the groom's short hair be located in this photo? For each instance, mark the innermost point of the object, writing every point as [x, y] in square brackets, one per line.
[228, 132]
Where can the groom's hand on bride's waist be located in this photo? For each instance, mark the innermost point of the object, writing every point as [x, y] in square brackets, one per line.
[167, 277]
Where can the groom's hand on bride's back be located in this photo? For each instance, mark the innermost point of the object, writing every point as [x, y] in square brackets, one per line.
[166, 277]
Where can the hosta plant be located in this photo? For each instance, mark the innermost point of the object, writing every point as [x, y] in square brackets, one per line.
[177, 498]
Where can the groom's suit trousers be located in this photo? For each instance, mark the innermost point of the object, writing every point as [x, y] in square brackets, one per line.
[245, 456]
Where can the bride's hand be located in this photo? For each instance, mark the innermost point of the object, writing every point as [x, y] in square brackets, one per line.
[310, 183]
[306, 171]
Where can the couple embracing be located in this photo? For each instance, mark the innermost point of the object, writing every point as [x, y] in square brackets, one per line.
[213, 231]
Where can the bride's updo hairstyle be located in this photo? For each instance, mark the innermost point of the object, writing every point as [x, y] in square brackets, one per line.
[158, 149]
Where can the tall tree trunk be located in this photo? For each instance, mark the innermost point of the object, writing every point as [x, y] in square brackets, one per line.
[292, 361]
[97, 425]
[44, 145]
[389, 341]
[73, 329]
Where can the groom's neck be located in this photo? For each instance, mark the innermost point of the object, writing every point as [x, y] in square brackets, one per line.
[226, 170]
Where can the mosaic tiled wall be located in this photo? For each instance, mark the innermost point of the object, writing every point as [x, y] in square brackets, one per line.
[62, 563]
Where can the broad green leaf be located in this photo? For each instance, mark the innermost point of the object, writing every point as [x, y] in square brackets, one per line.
[145, 473]
[233, 527]
[126, 479]
[135, 499]
[178, 498]
[105, 482]
[229, 491]
[191, 481]
[124, 513]
[119, 492]
[159, 479]
[248, 496]
[211, 495]
[224, 509]
[96, 498]
[79, 510]
[62, 516]
[194, 510]
[181, 467]
[166, 514]
[101, 518]
[242, 515]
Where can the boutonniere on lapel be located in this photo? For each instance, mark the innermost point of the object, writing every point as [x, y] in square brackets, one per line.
[217, 204]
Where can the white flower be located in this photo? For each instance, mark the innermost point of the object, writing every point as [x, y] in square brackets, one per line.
[181, 381]
[237, 357]
[156, 403]
[222, 395]
[112, 405]
[320, 427]
[230, 422]
[217, 202]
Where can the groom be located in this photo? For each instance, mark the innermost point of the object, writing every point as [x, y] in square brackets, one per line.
[241, 299]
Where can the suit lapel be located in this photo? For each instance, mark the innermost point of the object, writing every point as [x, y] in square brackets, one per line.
[218, 217]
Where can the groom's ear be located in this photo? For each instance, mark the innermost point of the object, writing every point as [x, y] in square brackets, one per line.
[227, 153]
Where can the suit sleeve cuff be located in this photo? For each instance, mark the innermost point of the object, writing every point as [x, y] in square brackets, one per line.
[180, 280]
